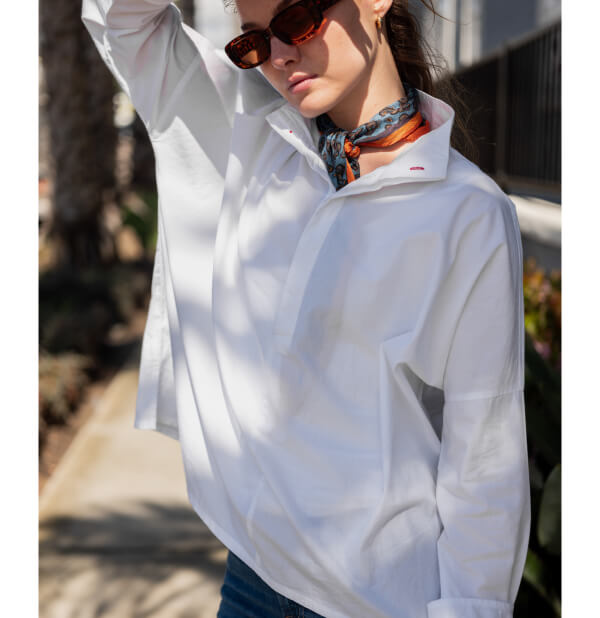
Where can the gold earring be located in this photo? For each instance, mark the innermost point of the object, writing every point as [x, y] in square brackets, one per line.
[378, 23]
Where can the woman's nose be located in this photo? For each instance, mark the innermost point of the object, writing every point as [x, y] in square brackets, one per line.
[282, 53]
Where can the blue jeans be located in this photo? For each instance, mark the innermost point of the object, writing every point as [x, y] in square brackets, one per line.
[245, 595]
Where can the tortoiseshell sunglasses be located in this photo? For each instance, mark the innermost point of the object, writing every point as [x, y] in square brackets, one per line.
[294, 25]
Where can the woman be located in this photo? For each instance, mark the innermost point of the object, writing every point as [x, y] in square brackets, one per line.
[335, 334]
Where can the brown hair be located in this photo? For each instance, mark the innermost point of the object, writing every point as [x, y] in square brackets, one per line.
[425, 69]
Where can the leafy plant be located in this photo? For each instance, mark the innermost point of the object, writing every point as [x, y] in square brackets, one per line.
[77, 308]
[141, 214]
[542, 297]
[77, 311]
[62, 380]
[540, 590]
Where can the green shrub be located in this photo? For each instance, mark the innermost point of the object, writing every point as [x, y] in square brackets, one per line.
[77, 310]
[542, 297]
[62, 380]
[142, 216]
[540, 591]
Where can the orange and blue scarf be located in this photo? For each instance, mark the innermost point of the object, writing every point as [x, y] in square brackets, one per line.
[399, 122]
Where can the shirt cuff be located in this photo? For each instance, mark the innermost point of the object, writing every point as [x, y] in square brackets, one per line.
[469, 608]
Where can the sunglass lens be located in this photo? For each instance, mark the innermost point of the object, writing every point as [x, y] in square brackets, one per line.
[248, 50]
[296, 24]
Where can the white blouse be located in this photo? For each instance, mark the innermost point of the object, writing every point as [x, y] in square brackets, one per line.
[344, 370]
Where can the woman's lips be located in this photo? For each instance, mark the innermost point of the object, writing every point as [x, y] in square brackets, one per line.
[302, 84]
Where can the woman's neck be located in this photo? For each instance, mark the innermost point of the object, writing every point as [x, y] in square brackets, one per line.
[382, 87]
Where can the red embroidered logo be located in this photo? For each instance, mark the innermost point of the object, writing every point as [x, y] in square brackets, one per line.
[417, 167]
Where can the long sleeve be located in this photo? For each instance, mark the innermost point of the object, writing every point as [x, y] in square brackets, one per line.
[483, 484]
[189, 96]
[153, 55]
[185, 93]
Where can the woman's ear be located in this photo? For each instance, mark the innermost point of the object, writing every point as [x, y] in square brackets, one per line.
[381, 7]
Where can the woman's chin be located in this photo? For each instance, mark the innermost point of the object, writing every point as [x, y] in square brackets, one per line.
[311, 105]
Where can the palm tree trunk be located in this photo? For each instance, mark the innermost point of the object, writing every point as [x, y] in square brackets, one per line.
[83, 137]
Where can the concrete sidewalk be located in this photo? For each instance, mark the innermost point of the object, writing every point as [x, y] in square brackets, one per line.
[118, 538]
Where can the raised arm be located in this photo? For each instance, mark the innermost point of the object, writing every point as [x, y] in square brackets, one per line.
[153, 55]
[483, 483]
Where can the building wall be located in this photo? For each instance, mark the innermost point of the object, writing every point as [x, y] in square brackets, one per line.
[215, 22]
[502, 21]
[477, 28]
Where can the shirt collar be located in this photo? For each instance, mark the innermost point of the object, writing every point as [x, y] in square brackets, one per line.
[420, 161]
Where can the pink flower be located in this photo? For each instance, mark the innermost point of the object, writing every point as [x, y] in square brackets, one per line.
[542, 348]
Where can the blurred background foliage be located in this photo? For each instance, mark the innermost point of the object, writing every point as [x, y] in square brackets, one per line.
[540, 591]
[98, 217]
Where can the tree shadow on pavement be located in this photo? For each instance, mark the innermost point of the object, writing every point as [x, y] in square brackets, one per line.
[153, 560]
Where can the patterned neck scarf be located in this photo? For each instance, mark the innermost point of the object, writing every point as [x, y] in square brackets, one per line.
[399, 122]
